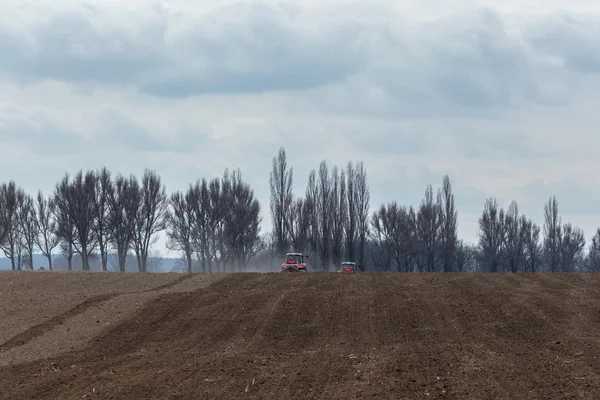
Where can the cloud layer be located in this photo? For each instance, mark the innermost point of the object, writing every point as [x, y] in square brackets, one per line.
[500, 97]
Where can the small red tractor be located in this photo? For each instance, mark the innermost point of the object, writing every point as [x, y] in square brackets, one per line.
[348, 266]
[294, 262]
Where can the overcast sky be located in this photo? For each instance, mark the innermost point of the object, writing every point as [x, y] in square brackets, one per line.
[503, 96]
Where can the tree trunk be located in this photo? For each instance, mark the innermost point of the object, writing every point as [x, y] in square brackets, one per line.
[208, 261]
[104, 258]
[138, 257]
[84, 258]
[12, 258]
[122, 260]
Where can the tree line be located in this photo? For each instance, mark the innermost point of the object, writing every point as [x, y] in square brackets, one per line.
[94, 214]
[332, 221]
[215, 225]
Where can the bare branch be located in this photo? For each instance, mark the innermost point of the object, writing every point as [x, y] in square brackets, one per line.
[151, 216]
[47, 238]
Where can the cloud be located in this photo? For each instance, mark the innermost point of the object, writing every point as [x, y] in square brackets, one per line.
[497, 96]
[38, 132]
[115, 129]
[571, 39]
[75, 43]
[574, 197]
[248, 47]
[469, 60]
[454, 63]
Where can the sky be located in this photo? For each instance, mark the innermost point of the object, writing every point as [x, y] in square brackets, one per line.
[501, 96]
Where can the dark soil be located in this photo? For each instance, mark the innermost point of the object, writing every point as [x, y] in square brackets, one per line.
[331, 336]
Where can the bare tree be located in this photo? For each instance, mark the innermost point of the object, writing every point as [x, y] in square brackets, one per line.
[352, 222]
[362, 203]
[180, 224]
[65, 228]
[324, 213]
[198, 200]
[82, 194]
[67, 243]
[47, 238]
[220, 204]
[515, 237]
[281, 183]
[449, 222]
[410, 241]
[27, 218]
[339, 213]
[533, 247]
[593, 263]
[300, 224]
[465, 257]
[429, 229]
[11, 245]
[219, 221]
[4, 222]
[151, 216]
[491, 234]
[124, 201]
[242, 222]
[552, 234]
[101, 206]
[571, 248]
[311, 199]
[77, 201]
[385, 234]
[404, 246]
[210, 205]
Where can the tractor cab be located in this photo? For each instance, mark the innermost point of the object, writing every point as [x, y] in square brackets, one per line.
[348, 266]
[294, 262]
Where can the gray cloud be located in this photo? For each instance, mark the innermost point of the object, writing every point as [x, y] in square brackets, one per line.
[455, 64]
[493, 142]
[261, 52]
[573, 196]
[38, 132]
[467, 60]
[572, 39]
[115, 129]
[69, 47]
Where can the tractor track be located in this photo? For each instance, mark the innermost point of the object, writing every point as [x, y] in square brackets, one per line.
[339, 336]
[40, 329]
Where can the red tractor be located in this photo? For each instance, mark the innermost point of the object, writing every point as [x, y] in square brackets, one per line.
[348, 266]
[294, 262]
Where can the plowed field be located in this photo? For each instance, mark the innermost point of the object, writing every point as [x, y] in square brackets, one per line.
[302, 336]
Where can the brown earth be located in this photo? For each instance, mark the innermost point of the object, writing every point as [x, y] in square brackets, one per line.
[301, 336]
